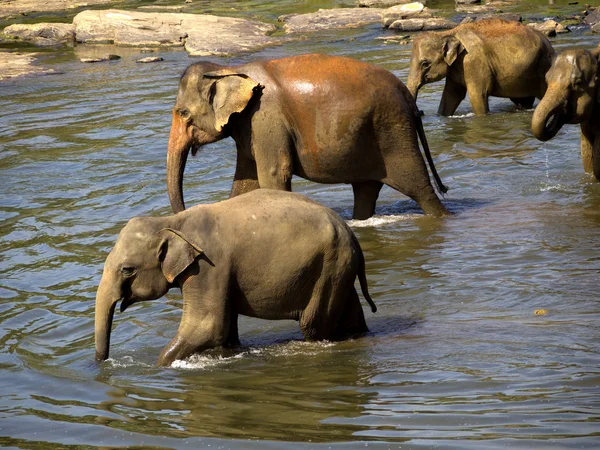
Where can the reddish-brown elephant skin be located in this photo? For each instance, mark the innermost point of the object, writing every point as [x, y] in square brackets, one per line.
[324, 118]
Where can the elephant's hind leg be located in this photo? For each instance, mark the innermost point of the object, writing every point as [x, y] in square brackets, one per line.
[352, 320]
[365, 198]
[523, 102]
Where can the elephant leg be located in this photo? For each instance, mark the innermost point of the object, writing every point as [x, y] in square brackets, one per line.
[352, 321]
[479, 101]
[206, 318]
[453, 94]
[365, 198]
[409, 176]
[523, 102]
[587, 148]
[245, 178]
[233, 338]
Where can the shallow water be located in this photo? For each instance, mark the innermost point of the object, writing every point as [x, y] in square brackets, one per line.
[455, 359]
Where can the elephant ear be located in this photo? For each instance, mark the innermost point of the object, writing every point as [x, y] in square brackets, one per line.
[228, 92]
[596, 54]
[470, 42]
[451, 48]
[176, 253]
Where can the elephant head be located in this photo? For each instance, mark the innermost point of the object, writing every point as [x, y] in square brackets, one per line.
[432, 55]
[572, 92]
[143, 265]
[208, 95]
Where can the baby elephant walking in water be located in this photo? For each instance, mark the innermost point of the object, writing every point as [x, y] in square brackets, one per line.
[268, 254]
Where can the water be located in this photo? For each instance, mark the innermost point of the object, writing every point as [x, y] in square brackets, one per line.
[456, 357]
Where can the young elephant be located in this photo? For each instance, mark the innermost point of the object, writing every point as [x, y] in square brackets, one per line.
[266, 254]
[324, 118]
[486, 58]
[573, 96]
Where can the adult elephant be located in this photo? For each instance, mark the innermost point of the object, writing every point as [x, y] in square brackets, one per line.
[486, 58]
[573, 96]
[324, 118]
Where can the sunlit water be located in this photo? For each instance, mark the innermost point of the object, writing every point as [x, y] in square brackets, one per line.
[456, 357]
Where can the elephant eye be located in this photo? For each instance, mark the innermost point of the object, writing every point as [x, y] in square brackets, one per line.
[425, 64]
[128, 272]
[185, 114]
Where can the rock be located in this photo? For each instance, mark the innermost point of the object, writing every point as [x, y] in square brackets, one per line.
[15, 64]
[24, 7]
[200, 34]
[592, 19]
[403, 39]
[549, 27]
[150, 59]
[382, 3]
[108, 57]
[422, 24]
[506, 16]
[325, 19]
[406, 11]
[43, 34]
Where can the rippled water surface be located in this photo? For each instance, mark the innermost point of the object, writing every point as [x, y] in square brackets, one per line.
[455, 359]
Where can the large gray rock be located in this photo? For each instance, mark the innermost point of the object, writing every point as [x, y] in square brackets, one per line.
[592, 19]
[325, 19]
[13, 8]
[430, 24]
[200, 34]
[15, 64]
[406, 11]
[43, 34]
[549, 27]
[382, 3]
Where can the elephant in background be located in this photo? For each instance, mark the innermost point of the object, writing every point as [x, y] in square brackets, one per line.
[268, 254]
[492, 57]
[573, 96]
[324, 118]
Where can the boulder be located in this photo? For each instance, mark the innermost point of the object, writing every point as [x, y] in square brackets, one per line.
[325, 19]
[406, 11]
[16, 64]
[592, 19]
[382, 3]
[150, 59]
[200, 34]
[24, 7]
[425, 24]
[43, 34]
[506, 16]
[549, 27]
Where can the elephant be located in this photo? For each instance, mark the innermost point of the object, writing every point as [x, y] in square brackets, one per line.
[324, 118]
[573, 96]
[267, 253]
[491, 57]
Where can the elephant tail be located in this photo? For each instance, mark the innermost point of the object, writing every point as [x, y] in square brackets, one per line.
[362, 277]
[423, 138]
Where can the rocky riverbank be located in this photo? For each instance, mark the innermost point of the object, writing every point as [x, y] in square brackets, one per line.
[207, 34]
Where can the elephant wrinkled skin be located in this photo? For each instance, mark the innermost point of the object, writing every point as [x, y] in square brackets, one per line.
[492, 57]
[324, 118]
[266, 254]
[573, 96]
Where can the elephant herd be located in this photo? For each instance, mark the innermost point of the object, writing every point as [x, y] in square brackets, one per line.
[273, 254]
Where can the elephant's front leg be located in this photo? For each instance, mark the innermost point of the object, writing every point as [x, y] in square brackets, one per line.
[453, 94]
[590, 148]
[205, 322]
[246, 178]
[274, 166]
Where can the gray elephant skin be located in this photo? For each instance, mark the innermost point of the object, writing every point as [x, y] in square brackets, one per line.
[492, 57]
[573, 96]
[268, 254]
[324, 118]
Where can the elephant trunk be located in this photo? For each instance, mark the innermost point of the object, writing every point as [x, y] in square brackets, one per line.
[413, 86]
[180, 141]
[106, 299]
[548, 115]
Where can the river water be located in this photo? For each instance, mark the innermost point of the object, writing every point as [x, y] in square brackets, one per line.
[456, 357]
